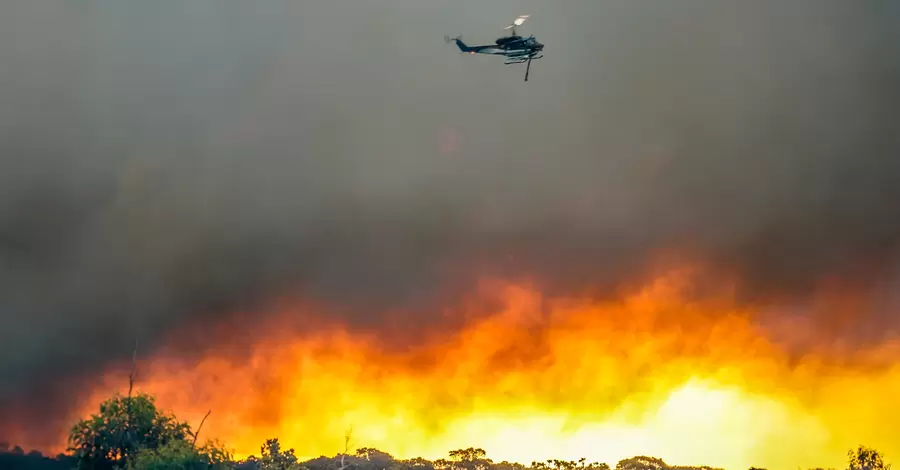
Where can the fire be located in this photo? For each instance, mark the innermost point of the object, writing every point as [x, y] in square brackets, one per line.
[657, 372]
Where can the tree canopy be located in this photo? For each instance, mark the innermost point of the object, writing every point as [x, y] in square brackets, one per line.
[866, 458]
[130, 432]
[124, 426]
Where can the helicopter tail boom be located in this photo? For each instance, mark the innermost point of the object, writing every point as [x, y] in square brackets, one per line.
[463, 47]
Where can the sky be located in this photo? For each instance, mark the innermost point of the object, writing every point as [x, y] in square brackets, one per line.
[165, 163]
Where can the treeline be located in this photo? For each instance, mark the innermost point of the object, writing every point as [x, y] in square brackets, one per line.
[131, 433]
[272, 457]
[16, 458]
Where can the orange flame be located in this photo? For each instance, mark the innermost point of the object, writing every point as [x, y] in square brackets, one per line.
[655, 373]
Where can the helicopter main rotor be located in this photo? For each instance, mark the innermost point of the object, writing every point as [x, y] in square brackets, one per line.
[517, 22]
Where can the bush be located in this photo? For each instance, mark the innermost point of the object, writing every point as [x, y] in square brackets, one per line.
[182, 455]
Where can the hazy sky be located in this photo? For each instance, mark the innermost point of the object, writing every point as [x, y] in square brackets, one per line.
[162, 161]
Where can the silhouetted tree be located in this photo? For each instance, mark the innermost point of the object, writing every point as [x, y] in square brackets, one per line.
[374, 459]
[468, 455]
[416, 463]
[866, 458]
[642, 462]
[469, 459]
[562, 464]
[442, 464]
[539, 466]
[508, 466]
[274, 458]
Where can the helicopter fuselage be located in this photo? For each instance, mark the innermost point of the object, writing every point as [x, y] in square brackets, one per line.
[510, 46]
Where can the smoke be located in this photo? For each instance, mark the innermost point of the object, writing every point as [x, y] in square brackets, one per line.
[165, 163]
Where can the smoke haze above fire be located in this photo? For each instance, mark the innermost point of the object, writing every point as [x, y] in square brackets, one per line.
[165, 164]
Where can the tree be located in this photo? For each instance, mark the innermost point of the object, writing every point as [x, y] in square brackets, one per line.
[557, 464]
[124, 426]
[580, 464]
[642, 463]
[415, 463]
[469, 459]
[182, 455]
[866, 458]
[539, 466]
[273, 458]
[467, 455]
[598, 466]
[504, 465]
[375, 459]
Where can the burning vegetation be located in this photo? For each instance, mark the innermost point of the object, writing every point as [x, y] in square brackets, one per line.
[665, 370]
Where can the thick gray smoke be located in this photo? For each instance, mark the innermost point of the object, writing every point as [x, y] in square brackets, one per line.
[167, 162]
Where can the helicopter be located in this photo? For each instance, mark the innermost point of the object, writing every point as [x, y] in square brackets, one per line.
[516, 49]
